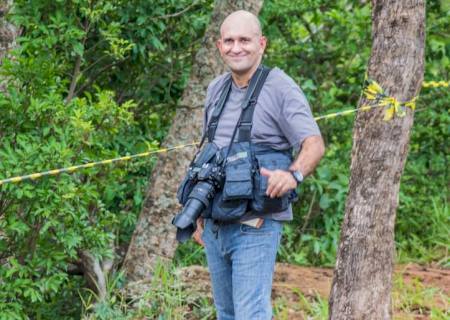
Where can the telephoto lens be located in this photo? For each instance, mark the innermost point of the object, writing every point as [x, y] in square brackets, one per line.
[198, 200]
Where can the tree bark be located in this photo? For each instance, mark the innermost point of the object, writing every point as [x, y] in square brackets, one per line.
[363, 273]
[95, 272]
[8, 34]
[154, 236]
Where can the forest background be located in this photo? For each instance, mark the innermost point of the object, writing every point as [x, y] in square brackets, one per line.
[92, 80]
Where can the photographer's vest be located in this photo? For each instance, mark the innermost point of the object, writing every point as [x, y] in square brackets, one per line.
[244, 188]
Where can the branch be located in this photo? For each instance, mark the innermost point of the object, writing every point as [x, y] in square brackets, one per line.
[176, 14]
[73, 83]
[76, 69]
[96, 272]
[94, 63]
[94, 77]
[309, 215]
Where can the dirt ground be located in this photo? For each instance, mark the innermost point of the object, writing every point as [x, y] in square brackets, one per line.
[411, 281]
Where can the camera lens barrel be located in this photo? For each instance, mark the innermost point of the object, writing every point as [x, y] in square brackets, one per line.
[198, 201]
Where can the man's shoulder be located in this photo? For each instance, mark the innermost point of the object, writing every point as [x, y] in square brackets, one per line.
[280, 79]
[215, 87]
[218, 81]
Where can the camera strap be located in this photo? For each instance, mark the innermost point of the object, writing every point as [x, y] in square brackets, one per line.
[245, 121]
[212, 127]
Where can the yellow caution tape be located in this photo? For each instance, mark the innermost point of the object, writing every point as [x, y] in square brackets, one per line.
[377, 96]
[435, 84]
[372, 91]
[343, 113]
[72, 169]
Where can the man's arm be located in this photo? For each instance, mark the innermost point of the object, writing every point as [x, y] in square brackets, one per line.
[312, 151]
[280, 181]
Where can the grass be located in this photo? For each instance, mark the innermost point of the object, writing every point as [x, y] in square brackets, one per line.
[410, 300]
[431, 244]
[166, 298]
[414, 298]
[307, 308]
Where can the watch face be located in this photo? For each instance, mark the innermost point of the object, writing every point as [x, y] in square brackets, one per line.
[298, 176]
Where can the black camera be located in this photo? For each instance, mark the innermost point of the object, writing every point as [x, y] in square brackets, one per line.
[196, 193]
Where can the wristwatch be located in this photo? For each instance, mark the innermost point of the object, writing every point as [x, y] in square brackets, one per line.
[298, 176]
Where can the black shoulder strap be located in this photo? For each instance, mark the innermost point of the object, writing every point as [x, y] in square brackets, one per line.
[248, 106]
[218, 108]
[246, 121]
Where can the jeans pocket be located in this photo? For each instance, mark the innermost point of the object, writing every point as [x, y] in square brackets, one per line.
[268, 228]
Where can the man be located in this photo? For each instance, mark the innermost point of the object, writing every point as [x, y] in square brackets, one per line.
[241, 256]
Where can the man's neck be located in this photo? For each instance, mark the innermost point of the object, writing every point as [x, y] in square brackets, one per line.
[242, 80]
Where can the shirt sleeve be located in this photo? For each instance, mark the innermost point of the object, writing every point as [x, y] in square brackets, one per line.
[295, 118]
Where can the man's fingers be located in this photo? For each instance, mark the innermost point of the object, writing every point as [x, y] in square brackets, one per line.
[266, 172]
[277, 190]
[199, 223]
[270, 185]
[279, 183]
[272, 181]
[198, 237]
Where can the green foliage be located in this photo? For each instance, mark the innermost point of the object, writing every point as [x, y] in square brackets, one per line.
[93, 80]
[164, 298]
[325, 47]
[89, 80]
[306, 40]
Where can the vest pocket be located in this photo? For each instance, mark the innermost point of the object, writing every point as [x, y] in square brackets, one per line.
[238, 182]
[261, 202]
[228, 210]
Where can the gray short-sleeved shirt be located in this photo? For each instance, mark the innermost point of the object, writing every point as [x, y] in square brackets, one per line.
[282, 117]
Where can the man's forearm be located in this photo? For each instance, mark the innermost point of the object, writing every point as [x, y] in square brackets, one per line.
[310, 154]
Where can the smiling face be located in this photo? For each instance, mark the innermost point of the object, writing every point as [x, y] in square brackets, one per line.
[241, 44]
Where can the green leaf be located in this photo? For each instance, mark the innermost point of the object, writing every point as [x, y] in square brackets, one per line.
[324, 202]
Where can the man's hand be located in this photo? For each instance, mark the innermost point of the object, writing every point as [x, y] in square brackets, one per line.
[198, 232]
[279, 182]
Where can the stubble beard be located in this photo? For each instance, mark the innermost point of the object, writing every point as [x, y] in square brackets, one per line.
[241, 67]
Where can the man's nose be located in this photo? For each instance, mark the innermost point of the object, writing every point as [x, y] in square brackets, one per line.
[236, 48]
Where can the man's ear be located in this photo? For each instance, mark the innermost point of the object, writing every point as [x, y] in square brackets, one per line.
[219, 44]
[263, 42]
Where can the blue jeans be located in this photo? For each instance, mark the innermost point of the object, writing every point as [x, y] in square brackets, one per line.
[241, 262]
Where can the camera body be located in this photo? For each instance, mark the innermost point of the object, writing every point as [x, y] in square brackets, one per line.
[204, 178]
[224, 184]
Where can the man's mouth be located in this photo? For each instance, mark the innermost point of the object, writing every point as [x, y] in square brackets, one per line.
[237, 57]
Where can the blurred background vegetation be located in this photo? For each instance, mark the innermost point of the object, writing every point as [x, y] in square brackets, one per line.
[91, 80]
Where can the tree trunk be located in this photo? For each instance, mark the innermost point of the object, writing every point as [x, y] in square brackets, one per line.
[8, 34]
[154, 236]
[95, 272]
[363, 273]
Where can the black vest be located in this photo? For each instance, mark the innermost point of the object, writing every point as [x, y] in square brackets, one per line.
[244, 188]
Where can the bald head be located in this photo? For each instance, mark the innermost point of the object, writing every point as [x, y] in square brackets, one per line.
[244, 19]
[241, 44]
